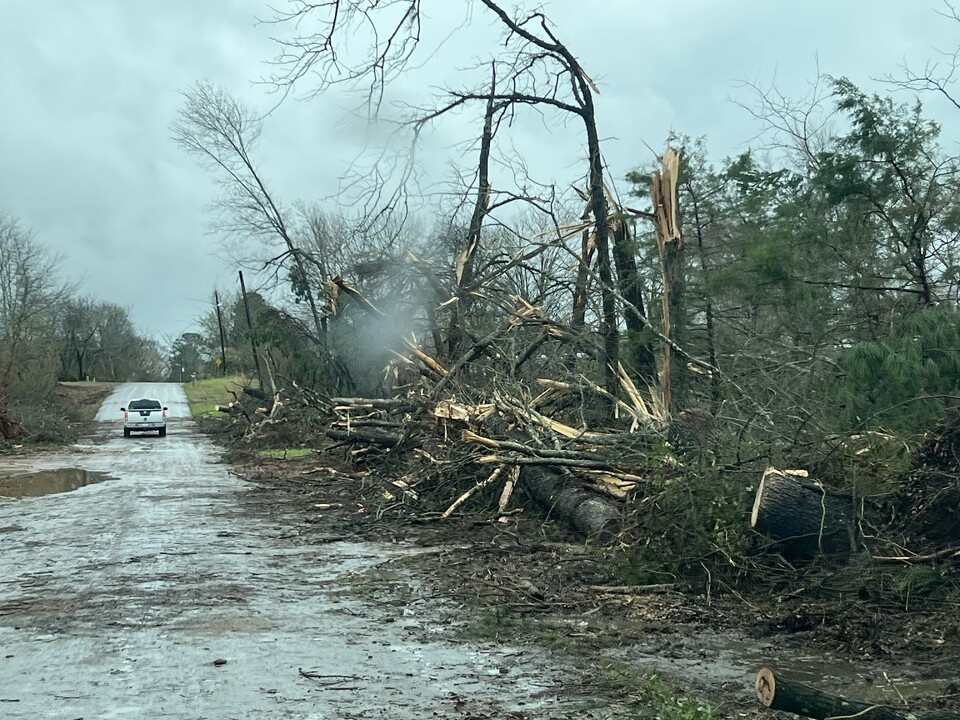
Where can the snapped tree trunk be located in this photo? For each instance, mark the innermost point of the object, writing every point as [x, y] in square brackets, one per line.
[663, 190]
[642, 361]
[802, 517]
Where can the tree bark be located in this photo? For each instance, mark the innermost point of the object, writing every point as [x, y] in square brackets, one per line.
[593, 515]
[253, 344]
[373, 437]
[360, 403]
[803, 517]
[778, 693]
[643, 362]
[583, 276]
[598, 205]
[466, 257]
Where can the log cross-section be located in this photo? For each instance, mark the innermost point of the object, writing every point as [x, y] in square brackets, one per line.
[803, 517]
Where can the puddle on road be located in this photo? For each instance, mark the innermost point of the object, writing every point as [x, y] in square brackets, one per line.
[48, 482]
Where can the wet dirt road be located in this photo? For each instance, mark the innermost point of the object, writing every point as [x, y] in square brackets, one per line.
[117, 598]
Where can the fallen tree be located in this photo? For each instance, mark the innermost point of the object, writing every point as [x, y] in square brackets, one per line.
[579, 486]
[562, 496]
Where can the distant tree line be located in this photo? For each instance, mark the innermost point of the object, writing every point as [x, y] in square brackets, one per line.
[49, 332]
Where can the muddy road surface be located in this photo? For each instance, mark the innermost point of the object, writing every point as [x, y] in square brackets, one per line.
[134, 583]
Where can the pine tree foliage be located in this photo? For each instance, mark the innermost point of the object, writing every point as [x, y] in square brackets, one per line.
[825, 285]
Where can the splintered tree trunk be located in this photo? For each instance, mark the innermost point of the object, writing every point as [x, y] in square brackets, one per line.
[663, 191]
[583, 276]
[642, 362]
[587, 512]
[802, 516]
[778, 693]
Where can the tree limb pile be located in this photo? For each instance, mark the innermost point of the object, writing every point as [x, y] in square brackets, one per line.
[575, 475]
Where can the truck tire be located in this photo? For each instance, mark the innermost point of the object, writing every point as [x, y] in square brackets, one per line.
[163, 432]
[126, 432]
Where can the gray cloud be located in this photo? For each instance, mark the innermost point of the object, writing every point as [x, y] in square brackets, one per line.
[88, 90]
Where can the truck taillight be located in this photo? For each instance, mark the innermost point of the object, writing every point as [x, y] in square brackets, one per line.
[163, 414]
[125, 415]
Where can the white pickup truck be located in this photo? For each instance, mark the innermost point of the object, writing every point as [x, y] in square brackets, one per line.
[144, 415]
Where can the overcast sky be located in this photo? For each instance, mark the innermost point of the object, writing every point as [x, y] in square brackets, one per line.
[88, 89]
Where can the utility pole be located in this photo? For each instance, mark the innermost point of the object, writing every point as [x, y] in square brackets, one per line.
[253, 345]
[223, 349]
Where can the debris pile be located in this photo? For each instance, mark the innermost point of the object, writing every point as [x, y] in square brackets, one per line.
[931, 496]
[492, 449]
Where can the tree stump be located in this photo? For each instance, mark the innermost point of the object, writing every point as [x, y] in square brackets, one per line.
[802, 516]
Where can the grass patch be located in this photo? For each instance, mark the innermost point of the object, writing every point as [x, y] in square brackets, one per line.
[651, 696]
[205, 395]
[82, 400]
[497, 623]
[644, 695]
[501, 623]
[284, 453]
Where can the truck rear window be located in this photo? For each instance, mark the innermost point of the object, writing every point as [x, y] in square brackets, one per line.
[144, 405]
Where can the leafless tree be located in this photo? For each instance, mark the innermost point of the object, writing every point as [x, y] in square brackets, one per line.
[938, 76]
[535, 69]
[223, 132]
[30, 292]
[799, 127]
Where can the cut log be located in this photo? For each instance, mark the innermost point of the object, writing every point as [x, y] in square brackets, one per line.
[233, 408]
[591, 514]
[802, 516]
[372, 437]
[779, 693]
[350, 403]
